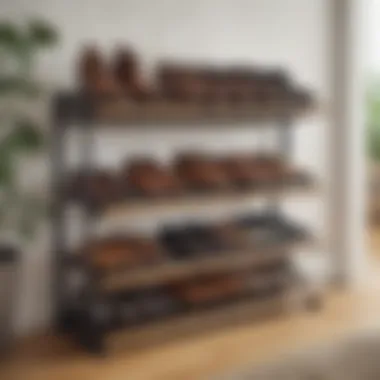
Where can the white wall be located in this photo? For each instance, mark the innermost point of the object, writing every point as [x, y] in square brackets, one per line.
[372, 35]
[289, 33]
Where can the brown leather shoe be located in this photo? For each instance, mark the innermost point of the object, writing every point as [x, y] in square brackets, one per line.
[110, 255]
[179, 82]
[200, 172]
[240, 169]
[197, 292]
[230, 236]
[147, 177]
[122, 252]
[267, 168]
[127, 70]
[94, 76]
[96, 187]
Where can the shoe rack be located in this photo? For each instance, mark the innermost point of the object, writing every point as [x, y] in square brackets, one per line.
[92, 292]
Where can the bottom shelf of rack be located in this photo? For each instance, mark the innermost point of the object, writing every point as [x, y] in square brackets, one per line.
[243, 310]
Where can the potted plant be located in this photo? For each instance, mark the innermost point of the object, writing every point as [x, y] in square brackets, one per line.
[20, 136]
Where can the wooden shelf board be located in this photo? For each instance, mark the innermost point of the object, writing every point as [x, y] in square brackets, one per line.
[195, 322]
[194, 202]
[182, 114]
[176, 270]
[127, 114]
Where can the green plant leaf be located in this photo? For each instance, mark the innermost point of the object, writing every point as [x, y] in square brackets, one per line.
[19, 45]
[18, 86]
[8, 85]
[6, 169]
[42, 34]
[10, 36]
[25, 137]
[3, 215]
[373, 119]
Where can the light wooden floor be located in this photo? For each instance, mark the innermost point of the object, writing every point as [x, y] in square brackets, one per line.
[203, 355]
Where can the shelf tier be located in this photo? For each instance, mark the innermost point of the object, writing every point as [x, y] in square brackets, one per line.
[240, 311]
[172, 270]
[125, 113]
[191, 203]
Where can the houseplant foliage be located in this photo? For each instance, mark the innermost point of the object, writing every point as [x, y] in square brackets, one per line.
[373, 119]
[20, 134]
[373, 145]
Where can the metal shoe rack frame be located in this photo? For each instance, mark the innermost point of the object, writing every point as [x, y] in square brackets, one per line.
[69, 109]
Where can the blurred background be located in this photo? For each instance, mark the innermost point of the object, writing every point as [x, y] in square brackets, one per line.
[236, 74]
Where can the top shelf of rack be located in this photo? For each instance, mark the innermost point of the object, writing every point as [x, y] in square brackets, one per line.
[75, 108]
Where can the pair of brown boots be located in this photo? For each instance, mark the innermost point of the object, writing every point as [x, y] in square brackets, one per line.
[121, 77]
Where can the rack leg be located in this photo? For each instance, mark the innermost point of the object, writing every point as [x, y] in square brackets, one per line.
[90, 329]
[57, 218]
[92, 340]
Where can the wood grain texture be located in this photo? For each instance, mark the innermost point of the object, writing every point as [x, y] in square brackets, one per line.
[176, 115]
[191, 203]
